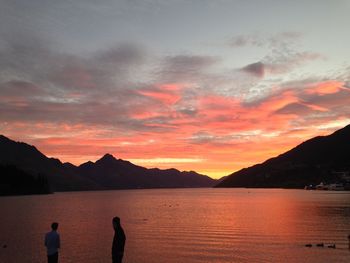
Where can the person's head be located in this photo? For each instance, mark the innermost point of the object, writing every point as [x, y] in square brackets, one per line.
[54, 226]
[116, 222]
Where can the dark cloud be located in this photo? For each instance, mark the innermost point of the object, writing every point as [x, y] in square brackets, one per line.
[124, 54]
[286, 61]
[295, 109]
[189, 111]
[247, 40]
[256, 69]
[281, 39]
[40, 84]
[204, 74]
[282, 56]
[280, 63]
[239, 41]
[105, 70]
[186, 68]
[14, 88]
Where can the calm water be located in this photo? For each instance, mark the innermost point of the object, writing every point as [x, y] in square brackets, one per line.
[180, 225]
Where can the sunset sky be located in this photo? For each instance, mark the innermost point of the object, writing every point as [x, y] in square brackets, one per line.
[210, 86]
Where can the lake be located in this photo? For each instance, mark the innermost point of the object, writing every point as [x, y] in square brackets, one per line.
[180, 225]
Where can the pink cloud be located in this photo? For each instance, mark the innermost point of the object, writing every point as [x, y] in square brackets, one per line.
[327, 87]
[81, 111]
[166, 93]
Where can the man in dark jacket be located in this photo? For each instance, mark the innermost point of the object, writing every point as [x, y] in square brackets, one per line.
[118, 241]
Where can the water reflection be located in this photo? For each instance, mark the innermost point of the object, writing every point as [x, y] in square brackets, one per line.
[181, 225]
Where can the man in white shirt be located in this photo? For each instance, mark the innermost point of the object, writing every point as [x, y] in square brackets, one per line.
[52, 243]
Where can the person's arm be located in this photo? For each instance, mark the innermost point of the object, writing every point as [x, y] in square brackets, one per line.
[123, 238]
[45, 242]
[58, 242]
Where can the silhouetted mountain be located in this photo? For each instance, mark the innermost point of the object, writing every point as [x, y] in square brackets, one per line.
[32, 161]
[14, 181]
[222, 179]
[106, 173]
[113, 173]
[316, 160]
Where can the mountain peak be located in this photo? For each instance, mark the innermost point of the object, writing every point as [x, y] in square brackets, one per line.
[108, 157]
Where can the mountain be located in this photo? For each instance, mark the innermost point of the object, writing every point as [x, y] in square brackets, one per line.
[112, 173]
[32, 161]
[321, 159]
[15, 181]
[106, 173]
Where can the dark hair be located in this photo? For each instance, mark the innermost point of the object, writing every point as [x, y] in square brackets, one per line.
[116, 220]
[54, 225]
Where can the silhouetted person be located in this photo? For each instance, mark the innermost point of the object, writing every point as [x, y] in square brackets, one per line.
[118, 241]
[52, 243]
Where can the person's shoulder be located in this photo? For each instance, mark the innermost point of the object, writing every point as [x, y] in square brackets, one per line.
[52, 233]
[47, 235]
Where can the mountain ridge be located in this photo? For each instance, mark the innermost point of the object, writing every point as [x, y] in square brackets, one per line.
[318, 159]
[106, 173]
[117, 173]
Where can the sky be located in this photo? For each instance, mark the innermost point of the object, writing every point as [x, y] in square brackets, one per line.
[211, 86]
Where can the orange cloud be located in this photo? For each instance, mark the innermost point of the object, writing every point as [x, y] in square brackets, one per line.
[218, 136]
[166, 93]
[327, 87]
[278, 101]
[78, 108]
